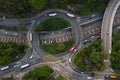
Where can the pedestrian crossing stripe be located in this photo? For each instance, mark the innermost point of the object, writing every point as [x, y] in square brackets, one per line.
[50, 58]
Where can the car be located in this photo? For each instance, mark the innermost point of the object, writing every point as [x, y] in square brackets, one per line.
[45, 42]
[4, 17]
[31, 56]
[16, 65]
[92, 37]
[93, 15]
[52, 33]
[60, 32]
[86, 41]
[89, 78]
[51, 41]
[98, 37]
[38, 22]
[107, 33]
[113, 76]
[45, 14]
[118, 27]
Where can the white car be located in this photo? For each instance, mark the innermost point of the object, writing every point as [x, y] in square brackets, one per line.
[118, 27]
[52, 33]
[88, 77]
[93, 15]
[92, 37]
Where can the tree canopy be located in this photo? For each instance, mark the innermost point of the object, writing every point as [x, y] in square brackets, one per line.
[115, 55]
[9, 52]
[38, 4]
[39, 73]
[91, 57]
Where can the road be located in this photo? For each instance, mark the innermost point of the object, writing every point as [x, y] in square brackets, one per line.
[106, 32]
[107, 23]
[31, 23]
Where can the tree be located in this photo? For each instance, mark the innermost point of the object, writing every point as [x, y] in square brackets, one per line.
[40, 73]
[38, 4]
[85, 11]
[61, 47]
[94, 57]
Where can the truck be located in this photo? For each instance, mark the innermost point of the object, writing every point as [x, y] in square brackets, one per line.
[30, 36]
[25, 66]
[4, 68]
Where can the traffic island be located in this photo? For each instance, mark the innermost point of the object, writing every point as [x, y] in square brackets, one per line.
[91, 58]
[39, 73]
[57, 48]
[51, 24]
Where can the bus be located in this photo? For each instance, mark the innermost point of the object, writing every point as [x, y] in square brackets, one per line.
[70, 15]
[72, 48]
[4, 68]
[52, 14]
[30, 37]
[24, 66]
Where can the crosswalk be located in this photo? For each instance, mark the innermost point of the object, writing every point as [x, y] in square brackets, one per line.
[50, 58]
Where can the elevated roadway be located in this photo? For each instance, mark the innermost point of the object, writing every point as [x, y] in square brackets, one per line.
[107, 24]
[61, 13]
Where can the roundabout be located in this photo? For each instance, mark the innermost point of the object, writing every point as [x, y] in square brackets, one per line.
[37, 56]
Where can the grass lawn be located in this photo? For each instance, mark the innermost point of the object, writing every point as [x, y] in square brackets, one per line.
[60, 77]
[57, 48]
[54, 23]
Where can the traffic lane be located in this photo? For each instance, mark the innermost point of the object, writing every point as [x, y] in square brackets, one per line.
[70, 72]
[55, 32]
[35, 46]
[43, 53]
[10, 22]
[18, 69]
[15, 65]
[74, 26]
[105, 28]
